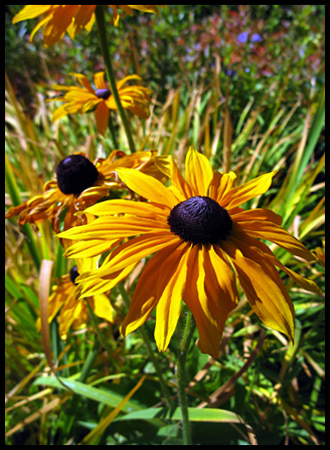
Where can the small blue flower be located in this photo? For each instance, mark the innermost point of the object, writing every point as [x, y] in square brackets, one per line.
[242, 37]
[256, 37]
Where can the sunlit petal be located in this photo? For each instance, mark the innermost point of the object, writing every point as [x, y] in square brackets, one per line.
[239, 195]
[147, 186]
[263, 287]
[198, 172]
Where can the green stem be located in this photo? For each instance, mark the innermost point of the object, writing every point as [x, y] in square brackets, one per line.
[181, 377]
[153, 359]
[99, 14]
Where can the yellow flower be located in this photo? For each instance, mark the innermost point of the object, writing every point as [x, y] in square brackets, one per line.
[71, 18]
[82, 99]
[202, 241]
[80, 183]
[72, 312]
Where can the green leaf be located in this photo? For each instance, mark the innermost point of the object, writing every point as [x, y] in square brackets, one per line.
[107, 397]
[195, 415]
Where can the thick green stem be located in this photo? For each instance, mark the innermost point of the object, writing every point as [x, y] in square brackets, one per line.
[181, 376]
[99, 14]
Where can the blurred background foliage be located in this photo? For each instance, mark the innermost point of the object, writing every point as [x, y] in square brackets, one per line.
[278, 49]
[243, 84]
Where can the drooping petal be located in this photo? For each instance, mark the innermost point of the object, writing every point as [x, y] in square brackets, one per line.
[256, 214]
[206, 316]
[263, 287]
[102, 118]
[147, 186]
[198, 172]
[55, 28]
[145, 298]
[239, 195]
[170, 284]
[275, 233]
[82, 19]
[256, 245]
[220, 281]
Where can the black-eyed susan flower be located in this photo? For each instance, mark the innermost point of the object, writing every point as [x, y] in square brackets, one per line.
[57, 19]
[201, 242]
[74, 313]
[80, 183]
[84, 98]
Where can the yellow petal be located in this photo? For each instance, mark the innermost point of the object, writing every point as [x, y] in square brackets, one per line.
[55, 28]
[89, 248]
[195, 297]
[263, 287]
[96, 286]
[220, 184]
[102, 308]
[198, 172]
[83, 80]
[256, 245]
[147, 186]
[275, 233]
[31, 11]
[170, 284]
[220, 281]
[102, 118]
[120, 83]
[99, 80]
[139, 209]
[134, 250]
[82, 19]
[239, 195]
[256, 214]
[178, 182]
[145, 299]
[109, 228]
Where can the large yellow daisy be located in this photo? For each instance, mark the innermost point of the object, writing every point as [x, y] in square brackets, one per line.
[80, 99]
[201, 242]
[71, 18]
[79, 184]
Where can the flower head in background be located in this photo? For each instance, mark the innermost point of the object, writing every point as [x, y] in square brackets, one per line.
[84, 98]
[201, 242]
[72, 312]
[79, 184]
[57, 19]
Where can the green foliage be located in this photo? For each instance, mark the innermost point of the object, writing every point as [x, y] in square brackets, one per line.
[243, 84]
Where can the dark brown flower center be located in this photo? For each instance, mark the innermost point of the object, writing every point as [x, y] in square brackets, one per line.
[103, 93]
[75, 173]
[74, 274]
[200, 220]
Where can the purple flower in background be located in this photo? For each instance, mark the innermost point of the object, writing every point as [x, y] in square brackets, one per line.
[256, 37]
[242, 37]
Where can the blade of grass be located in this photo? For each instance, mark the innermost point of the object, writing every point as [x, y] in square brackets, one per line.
[16, 200]
[95, 435]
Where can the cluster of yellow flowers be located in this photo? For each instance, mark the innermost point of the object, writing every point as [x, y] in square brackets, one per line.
[201, 240]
